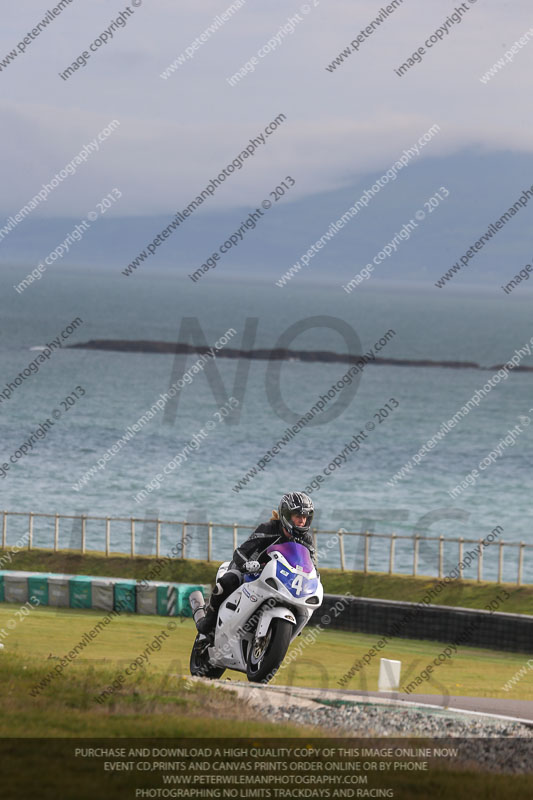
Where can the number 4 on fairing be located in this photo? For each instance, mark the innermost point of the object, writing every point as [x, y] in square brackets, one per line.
[297, 584]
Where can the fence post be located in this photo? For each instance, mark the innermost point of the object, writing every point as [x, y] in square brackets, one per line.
[157, 537]
[30, 531]
[234, 535]
[480, 562]
[83, 520]
[391, 554]
[183, 539]
[415, 554]
[56, 533]
[4, 530]
[441, 555]
[520, 562]
[209, 539]
[500, 563]
[460, 558]
[132, 536]
[341, 549]
[107, 535]
[367, 545]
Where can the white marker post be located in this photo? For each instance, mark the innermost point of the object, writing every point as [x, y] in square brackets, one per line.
[389, 675]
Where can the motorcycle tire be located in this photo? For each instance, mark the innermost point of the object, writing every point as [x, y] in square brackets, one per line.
[265, 655]
[199, 664]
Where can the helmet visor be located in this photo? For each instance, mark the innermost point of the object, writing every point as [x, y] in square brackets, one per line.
[301, 520]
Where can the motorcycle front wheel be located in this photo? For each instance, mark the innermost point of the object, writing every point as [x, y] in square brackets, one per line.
[199, 664]
[267, 653]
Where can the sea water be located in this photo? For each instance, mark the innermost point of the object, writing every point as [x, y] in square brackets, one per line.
[119, 387]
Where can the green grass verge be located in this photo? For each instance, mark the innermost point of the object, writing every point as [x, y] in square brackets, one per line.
[156, 700]
[159, 701]
[468, 594]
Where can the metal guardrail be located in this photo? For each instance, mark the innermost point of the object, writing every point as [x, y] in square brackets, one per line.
[336, 537]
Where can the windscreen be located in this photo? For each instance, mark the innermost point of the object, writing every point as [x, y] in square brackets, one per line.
[296, 554]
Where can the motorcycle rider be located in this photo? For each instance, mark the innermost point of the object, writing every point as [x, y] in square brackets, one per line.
[291, 523]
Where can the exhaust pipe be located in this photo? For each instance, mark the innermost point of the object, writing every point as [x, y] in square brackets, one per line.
[197, 604]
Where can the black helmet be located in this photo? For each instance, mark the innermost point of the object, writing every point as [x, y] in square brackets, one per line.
[295, 503]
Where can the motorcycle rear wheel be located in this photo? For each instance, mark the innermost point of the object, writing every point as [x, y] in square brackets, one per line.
[266, 654]
[199, 664]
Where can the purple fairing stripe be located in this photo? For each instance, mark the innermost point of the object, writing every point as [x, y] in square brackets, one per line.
[296, 554]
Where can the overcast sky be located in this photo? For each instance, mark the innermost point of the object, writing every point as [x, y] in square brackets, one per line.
[175, 134]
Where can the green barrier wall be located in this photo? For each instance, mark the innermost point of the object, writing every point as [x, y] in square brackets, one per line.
[162, 601]
[125, 594]
[80, 591]
[38, 588]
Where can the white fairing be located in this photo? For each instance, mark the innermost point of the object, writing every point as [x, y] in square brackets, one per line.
[271, 613]
[258, 604]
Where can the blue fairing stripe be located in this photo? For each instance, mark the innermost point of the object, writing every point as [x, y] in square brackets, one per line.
[286, 577]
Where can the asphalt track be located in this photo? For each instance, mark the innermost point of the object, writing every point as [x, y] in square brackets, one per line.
[500, 706]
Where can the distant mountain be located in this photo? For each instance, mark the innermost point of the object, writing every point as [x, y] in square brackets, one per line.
[481, 186]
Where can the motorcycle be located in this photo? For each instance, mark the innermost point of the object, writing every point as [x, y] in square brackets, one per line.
[259, 620]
